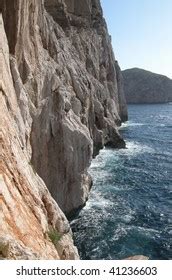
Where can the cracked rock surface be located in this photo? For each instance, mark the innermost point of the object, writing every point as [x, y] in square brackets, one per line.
[61, 101]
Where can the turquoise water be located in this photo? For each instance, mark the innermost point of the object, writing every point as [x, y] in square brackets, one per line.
[129, 211]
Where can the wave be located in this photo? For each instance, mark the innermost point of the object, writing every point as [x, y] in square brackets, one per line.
[130, 123]
[124, 230]
[134, 148]
[96, 200]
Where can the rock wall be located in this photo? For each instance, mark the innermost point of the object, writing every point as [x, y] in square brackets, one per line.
[28, 213]
[62, 101]
[143, 86]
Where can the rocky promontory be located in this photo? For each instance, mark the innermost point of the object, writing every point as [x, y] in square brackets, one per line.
[61, 101]
[143, 86]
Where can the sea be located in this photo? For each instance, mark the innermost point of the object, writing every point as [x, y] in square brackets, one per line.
[129, 210]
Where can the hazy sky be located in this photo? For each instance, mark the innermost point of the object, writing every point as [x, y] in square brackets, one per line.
[141, 33]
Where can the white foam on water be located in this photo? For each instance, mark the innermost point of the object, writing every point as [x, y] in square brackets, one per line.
[104, 155]
[123, 230]
[130, 123]
[134, 148]
[119, 232]
[150, 232]
[161, 125]
[127, 218]
[96, 200]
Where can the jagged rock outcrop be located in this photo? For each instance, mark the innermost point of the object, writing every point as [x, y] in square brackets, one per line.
[61, 101]
[143, 86]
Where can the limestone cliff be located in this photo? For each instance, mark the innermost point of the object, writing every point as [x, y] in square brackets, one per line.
[28, 214]
[143, 86]
[61, 101]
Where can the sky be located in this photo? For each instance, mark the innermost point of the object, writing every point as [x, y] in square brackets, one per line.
[141, 33]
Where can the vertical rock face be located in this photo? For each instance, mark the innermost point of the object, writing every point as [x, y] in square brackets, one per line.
[29, 217]
[62, 100]
[28, 214]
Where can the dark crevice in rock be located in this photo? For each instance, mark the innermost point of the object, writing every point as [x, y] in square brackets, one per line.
[9, 10]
